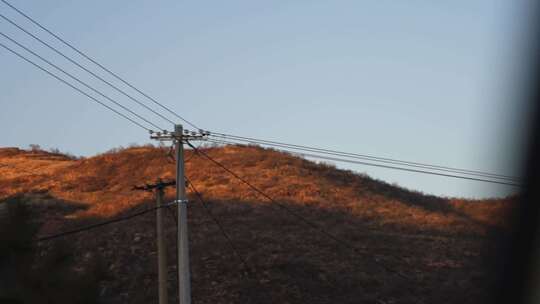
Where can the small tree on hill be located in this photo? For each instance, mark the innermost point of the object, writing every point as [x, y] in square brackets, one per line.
[34, 147]
[30, 275]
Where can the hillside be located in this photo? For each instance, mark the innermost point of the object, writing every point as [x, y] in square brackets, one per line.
[440, 244]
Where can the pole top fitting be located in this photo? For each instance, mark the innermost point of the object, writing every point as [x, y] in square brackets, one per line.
[178, 129]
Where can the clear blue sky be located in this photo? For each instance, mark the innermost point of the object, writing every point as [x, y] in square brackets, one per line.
[427, 81]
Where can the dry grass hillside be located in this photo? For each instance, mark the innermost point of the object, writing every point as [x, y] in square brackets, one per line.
[440, 244]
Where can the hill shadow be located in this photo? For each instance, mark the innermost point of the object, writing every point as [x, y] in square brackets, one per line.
[289, 260]
[314, 268]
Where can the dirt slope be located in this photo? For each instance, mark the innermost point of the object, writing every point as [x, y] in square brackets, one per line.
[439, 244]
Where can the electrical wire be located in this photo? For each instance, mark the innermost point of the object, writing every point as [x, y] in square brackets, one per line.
[73, 87]
[295, 214]
[98, 64]
[362, 156]
[265, 142]
[171, 159]
[210, 215]
[84, 68]
[385, 166]
[80, 81]
[369, 159]
[224, 142]
[250, 272]
[93, 226]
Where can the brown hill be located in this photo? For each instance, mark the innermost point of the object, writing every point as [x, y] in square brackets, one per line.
[438, 243]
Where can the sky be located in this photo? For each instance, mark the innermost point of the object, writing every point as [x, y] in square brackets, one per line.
[438, 82]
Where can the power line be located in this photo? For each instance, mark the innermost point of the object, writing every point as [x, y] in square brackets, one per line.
[72, 86]
[382, 166]
[265, 142]
[249, 271]
[295, 214]
[362, 156]
[209, 213]
[80, 81]
[93, 226]
[172, 159]
[224, 142]
[98, 64]
[84, 68]
[346, 154]
[387, 166]
[410, 170]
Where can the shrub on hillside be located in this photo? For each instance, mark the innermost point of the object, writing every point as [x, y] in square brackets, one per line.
[34, 147]
[33, 275]
[58, 152]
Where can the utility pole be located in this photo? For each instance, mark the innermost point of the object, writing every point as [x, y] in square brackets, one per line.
[178, 137]
[161, 246]
[184, 280]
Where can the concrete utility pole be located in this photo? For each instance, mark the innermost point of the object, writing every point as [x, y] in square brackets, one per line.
[178, 137]
[184, 275]
[161, 246]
